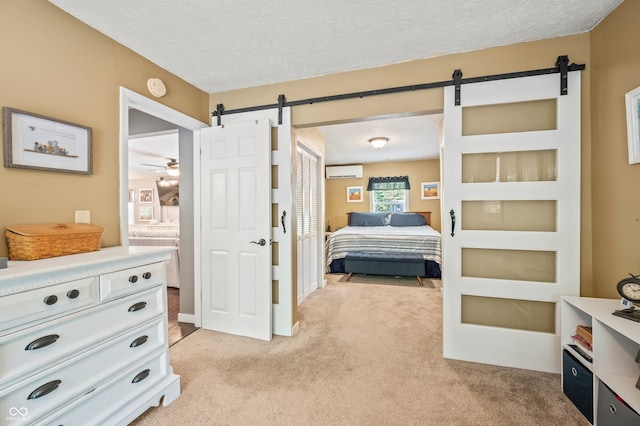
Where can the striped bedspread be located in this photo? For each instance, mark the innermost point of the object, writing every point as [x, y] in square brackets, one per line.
[423, 240]
[143, 232]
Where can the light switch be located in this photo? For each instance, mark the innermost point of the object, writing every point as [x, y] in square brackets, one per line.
[83, 216]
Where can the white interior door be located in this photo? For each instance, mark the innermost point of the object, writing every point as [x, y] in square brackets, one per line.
[236, 229]
[511, 182]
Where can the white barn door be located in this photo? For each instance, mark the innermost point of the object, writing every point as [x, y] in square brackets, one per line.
[511, 219]
[274, 205]
[236, 229]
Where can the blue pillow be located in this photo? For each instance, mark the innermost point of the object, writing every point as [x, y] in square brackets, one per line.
[367, 219]
[407, 219]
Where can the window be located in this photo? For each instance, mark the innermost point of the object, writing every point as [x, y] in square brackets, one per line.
[389, 194]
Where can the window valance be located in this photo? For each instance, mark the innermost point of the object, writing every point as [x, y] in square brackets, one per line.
[386, 183]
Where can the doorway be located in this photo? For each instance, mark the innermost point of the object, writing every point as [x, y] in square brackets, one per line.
[412, 139]
[138, 115]
[413, 149]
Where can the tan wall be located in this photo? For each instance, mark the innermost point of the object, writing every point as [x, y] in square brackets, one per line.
[616, 200]
[519, 57]
[337, 206]
[56, 66]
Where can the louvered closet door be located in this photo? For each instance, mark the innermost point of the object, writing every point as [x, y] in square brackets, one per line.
[511, 219]
[307, 223]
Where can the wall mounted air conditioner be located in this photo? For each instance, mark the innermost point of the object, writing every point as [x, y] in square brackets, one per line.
[343, 172]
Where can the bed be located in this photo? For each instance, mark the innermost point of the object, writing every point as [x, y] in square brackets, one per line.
[385, 234]
[160, 235]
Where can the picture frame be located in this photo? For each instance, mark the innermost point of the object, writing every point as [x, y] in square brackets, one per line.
[632, 101]
[145, 214]
[145, 195]
[354, 194]
[132, 195]
[429, 190]
[37, 142]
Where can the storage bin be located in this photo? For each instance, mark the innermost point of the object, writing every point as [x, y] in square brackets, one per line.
[612, 411]
[40, 241]
[577, 384]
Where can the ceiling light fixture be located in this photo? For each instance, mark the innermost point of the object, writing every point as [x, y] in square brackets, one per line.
[173, 172]
[378, 143]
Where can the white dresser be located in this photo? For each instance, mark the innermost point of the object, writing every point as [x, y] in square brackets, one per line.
[83, 338]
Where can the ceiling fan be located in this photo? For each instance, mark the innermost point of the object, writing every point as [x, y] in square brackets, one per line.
[172, 167]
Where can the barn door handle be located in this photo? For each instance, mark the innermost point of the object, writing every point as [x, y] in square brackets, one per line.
[260, 242]
[453, 222]
[284, 214]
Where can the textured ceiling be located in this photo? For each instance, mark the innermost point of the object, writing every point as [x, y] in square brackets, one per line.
[223, 45]
[220, 45]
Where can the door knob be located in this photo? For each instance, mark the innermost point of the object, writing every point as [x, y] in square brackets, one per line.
[261, 242]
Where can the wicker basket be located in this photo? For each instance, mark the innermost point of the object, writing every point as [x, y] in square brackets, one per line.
[32, 242]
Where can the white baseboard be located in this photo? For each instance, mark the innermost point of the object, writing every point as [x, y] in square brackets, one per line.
[295, 328]
[190, 318]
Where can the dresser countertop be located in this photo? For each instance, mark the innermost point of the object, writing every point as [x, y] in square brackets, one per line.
[22, 275]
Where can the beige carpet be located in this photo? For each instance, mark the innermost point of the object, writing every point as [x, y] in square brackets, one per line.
[365, 355]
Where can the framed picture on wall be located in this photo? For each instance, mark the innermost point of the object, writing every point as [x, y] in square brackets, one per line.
[354, 194]
[34, 141]
[132, 195]
[429, 190]
[146, 196]
[632, 100]
[145, 214]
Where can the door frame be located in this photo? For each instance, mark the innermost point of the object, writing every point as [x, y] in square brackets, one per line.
[132, 100]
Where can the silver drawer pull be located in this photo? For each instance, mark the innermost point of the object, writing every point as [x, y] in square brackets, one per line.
[45, 389]
[133, 279]
[574, 371]
[50, 300]
[612, 408]
[141, 376]
[139, 341]
[41, 342]
[137, 306]
[72, 294]
[146, 275]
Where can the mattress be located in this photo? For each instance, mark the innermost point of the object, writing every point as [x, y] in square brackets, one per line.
[422, 240]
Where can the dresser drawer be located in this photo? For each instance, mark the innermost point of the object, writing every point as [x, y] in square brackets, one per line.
[29, 351]
[27, 308]
[121, 283]
[75, 377]
[97, 407]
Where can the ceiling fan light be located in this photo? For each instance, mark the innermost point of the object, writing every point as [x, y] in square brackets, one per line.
[173, 172]
[378, 143]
